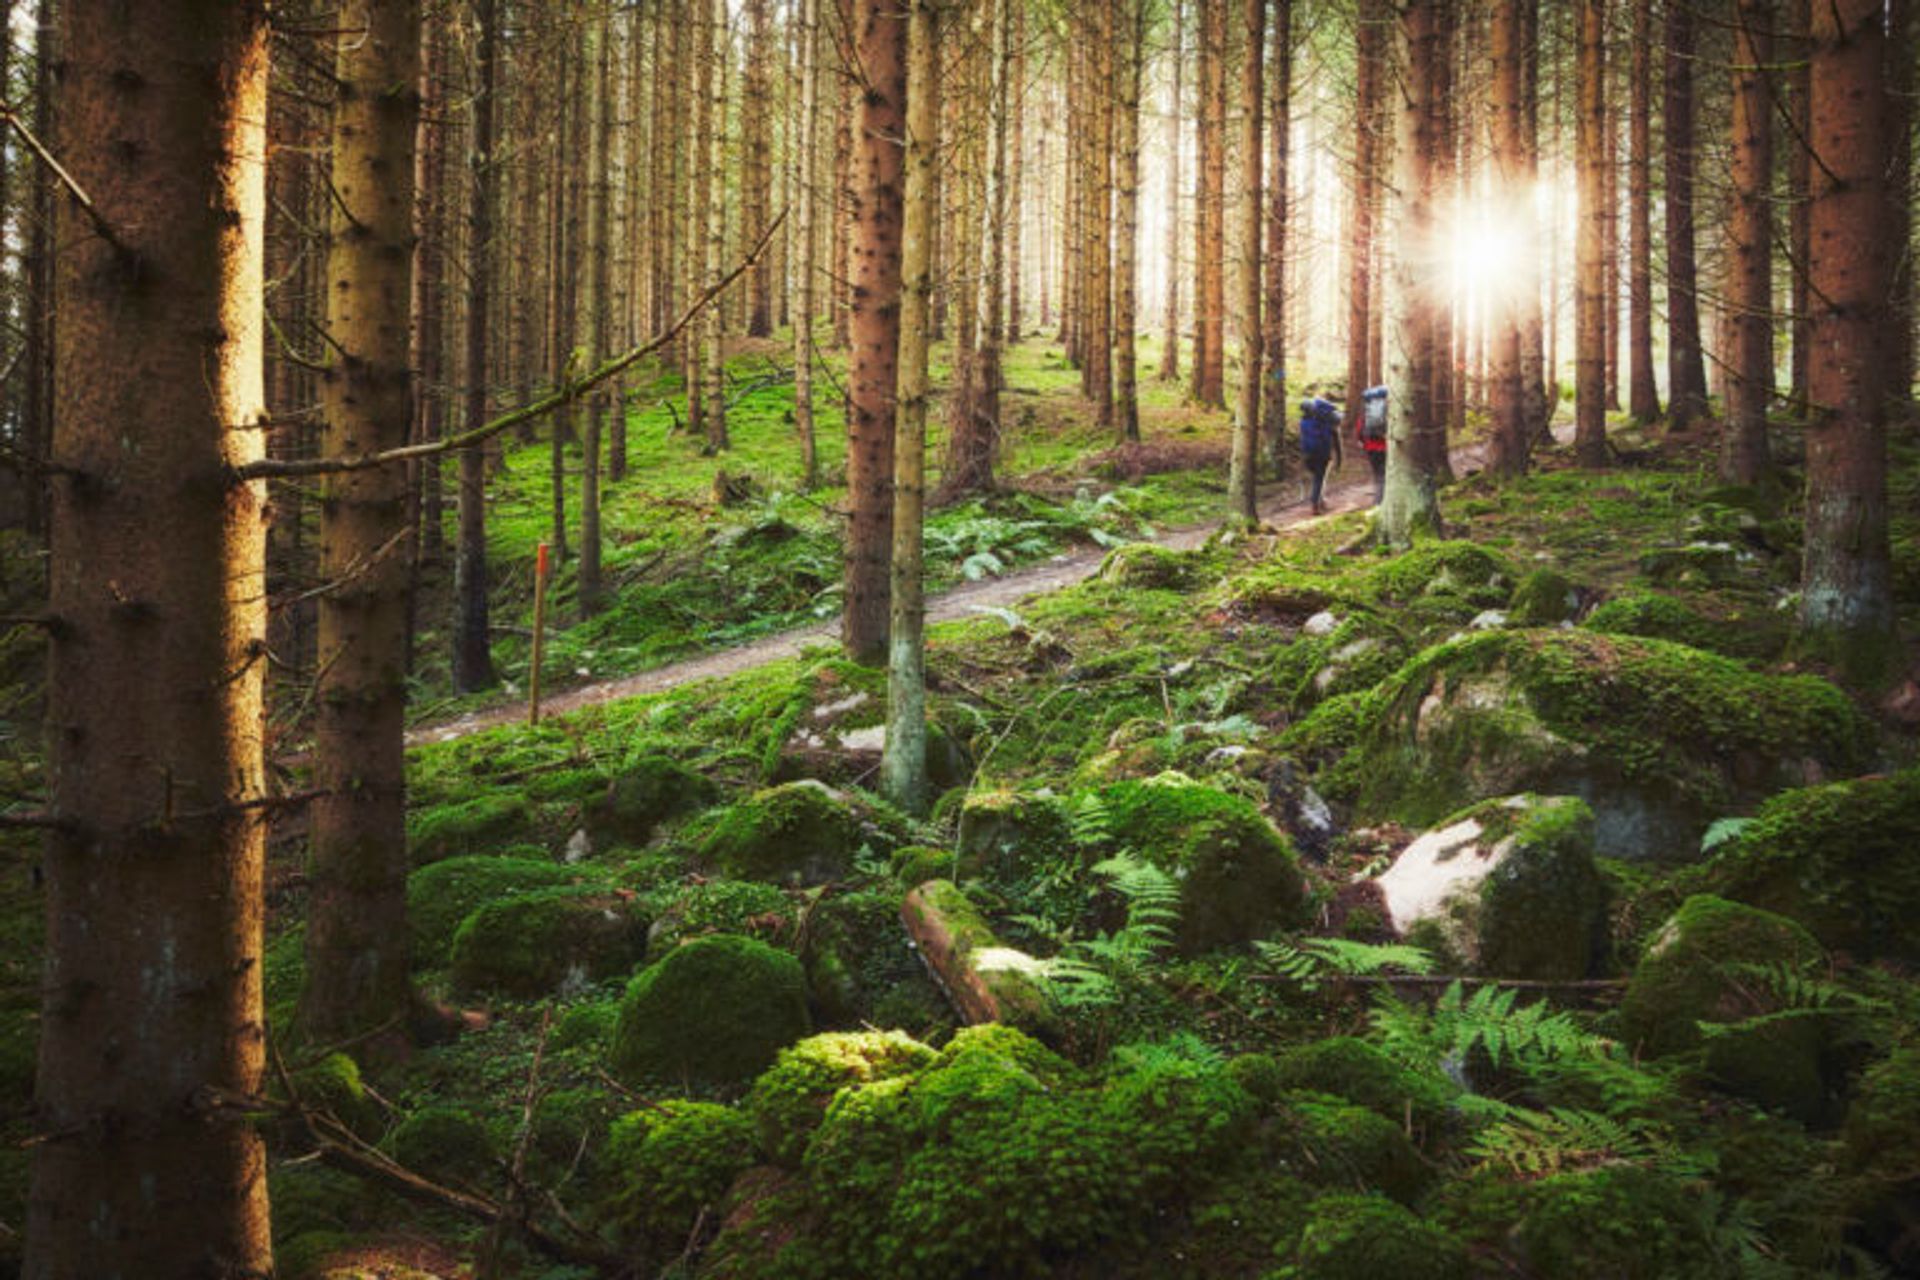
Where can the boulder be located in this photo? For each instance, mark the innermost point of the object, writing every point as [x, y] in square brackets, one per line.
[1007, 834]
[1365, 1237]
[1544, 598]
[1508, 886]
[442, 895]
[656, 789]
[799, 833]
[485, 823]
[1146, 565]
[790, 1099]
[1356, 652]
[714, 1011]
[546, 941]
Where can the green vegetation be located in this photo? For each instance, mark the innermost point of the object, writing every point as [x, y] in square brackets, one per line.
[715, 1009]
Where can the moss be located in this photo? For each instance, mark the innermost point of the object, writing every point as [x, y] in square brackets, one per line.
[1005, 835]
[586, 1026]
[1235, 1229]
[1615, 1223]
[1350, 1068]
[1756, 633]
[916, 864]
[1239, 878]
[653, 790]
[1333, 1143]
[788, 1101]
[1459, 577]
[744, 907]
[671, 1167]
[1839, 859]
[442, 895]
[446, 1143]
[483, 824]
[998, 969]
[1360, 652]
[1702, 564]
[1542, 913]
[1882, 1132]
[714, 1010]
[799, 833]
[333, 1085]
[1363, 1237]
[310, 1198]
[1146, 565]
[1709, 964]
[1544, 598]
[546, 941]
[856, 954]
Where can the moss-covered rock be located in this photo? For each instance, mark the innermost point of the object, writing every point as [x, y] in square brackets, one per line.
[1700, 564]
[569, 1134]
[1754, 632]
[1508, 887]
[1366, 1237]
[789, 1100]
[1008, 834]
[797, 833]
[715, 1010]
[1543, 598]
[1147, 565]
[442, 895]
[1881, 1146]
[750, 908]
[1839, 859]
[1330, 1142]
[861, 968]
[1463, 576]
[586, 1026]
[1658, 738]
[1620, 1222]
[446, 1143]
[548, 940]
[1711, 963]
[654, 790]
[917, 863]
[310, 1199]
[486, 823]
[1357, 652]
[1239, 878]
[1350, 1068]
[671, 1166]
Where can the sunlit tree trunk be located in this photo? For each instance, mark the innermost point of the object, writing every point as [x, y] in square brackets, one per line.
[599, 255]
[807, 158]
[1846, 600]
[1743, 441]
[1131, 15]
[1170, 340]
[1643, 397]
[1273, 410]
[714, 318]
[1242, 503]
[1590, 304]
[1369, 48]
[151, 1031]
[1537, 405]
[472, 655]
[1510, 437]
[1209, 339]
[1686, 366]
[1903, 91]
[1015, 216]
[1096, 262]
[756, 175]
[1799, 180]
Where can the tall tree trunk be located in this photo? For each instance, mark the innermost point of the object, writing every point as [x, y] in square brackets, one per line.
[1846, 600]
[1273, 412]
[1097, 225]
[1131, 15]
[36, 401]
[1743, 442]
[563, 295]
[429, 299]
[1799, 189]
[715, 318]
[903, 765]
[151, 1018]
[1590, 356]
[1643, 398]
[1369, 44]
[1510, 438]
[1686, 366]
[1243, 506]
[1903, 88]
[356, 941]
[1210, 199]
[756, 177]
[1537, 403]
[807, 158]
[1610, 223]
[588, 587]
[1170, 341]
[846, 217]
[1452, 174]
[988, 375]
[1410, 508]
[879, 33]
[700, 73]
[1017, 168]
[472, 654]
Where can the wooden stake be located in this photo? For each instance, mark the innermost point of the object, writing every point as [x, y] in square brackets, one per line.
[539, 633]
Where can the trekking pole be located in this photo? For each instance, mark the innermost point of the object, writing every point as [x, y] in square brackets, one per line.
[539, 633]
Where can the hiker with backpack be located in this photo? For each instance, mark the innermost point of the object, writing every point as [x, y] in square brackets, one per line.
[1372, 434]
[1319, 444]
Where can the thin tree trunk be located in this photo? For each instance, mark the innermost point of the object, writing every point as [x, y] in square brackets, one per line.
[1369, 39]
[1243, 505]
[1510, 438]
[1743, 441]
[1643, 398]
[1846, 600]
[903, 765]
[1799, 189]
[599, 254]
[1273, 412]
[1097, 261]
[151, 1007]
[715, 319]
[1170, 349]
[1537, 410]
[1903, 87]
[1590, 357]
[807, 159]
[874, 327]
[472, 657]
[756, 179]
[1686, 366]
[1131, 15]
[36, 407]
[1016, 160]
[1209, 342]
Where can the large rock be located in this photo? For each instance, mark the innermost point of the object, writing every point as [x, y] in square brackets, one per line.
[442, 895]
[655, 790]
[1006, 834]
[800, 833]
[1839, 859]
[534, 944]
[1658, 738]
[1509, 886]
[714, 1011]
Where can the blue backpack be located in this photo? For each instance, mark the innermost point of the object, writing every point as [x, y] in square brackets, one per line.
[1319, 424]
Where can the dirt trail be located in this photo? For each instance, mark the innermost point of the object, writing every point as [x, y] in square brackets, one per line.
[1282, 507]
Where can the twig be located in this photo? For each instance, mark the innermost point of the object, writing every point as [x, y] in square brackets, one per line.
[279, 468]
[80, 197]
[1445, 979]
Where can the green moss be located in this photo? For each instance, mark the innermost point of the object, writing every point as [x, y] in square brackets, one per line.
[1239, 878]
[1005, 835]
[857, 955]
[671, 1167]
[308, 1198]
[1616, 1223]
[446, 1143]
[916, 864]
[1352, 1069]
[1544, 598]
[1149, 566]
[1542, 913]
[569, 1134]
[333, 1085]
[1709, 964]
[980, 952]
[653, 790]
[586, 1026]
[799, 833]
[1459, 577]
[1360, 652]
[482, 824]
[714, 1010]
[1839, 859]
[1882, 1133]
[548, 940]
[1756, 632]
[745, 907]
[1365, 1237]
[788, 1101]
[1333, 1143]
[442, 895]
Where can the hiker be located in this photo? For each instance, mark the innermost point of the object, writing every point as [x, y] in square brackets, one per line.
[1319, 443]
[1371, 431]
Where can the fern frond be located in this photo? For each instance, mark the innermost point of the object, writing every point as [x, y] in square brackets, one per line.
[1313, 961]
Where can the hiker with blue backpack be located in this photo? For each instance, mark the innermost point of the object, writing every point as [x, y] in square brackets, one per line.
[1319, 444]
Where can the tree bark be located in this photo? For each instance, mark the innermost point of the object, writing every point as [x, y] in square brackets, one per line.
[807, 158]
[879, 33]
[1590, 356]
[1643, 397]
[1846, 600]
[1369, 48]
[1799, 189]
[1510, 437]
[1243, 506]
[1209, 339]
[152, 990]
[756, 178]
[472, 655]
[1015, 216]
[719, 33]
[1273, 412]
[1131, 16]
[1170, 341]
[588, 588]
[1743, 441]
[1686, 366]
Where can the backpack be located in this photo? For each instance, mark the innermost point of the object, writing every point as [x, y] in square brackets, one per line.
[1318, 425]
[1373, 427]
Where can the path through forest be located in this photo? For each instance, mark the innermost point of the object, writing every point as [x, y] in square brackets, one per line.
[1350, 493]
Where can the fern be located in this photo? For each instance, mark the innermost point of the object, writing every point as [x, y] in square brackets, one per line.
[1564, 1139]
[1091, 822]
[1783, 992]
[1090, 972]
[1315, 961]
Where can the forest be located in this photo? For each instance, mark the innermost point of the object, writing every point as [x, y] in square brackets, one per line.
[959, 639]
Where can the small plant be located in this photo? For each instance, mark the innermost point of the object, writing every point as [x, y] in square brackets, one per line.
[1313, 962]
